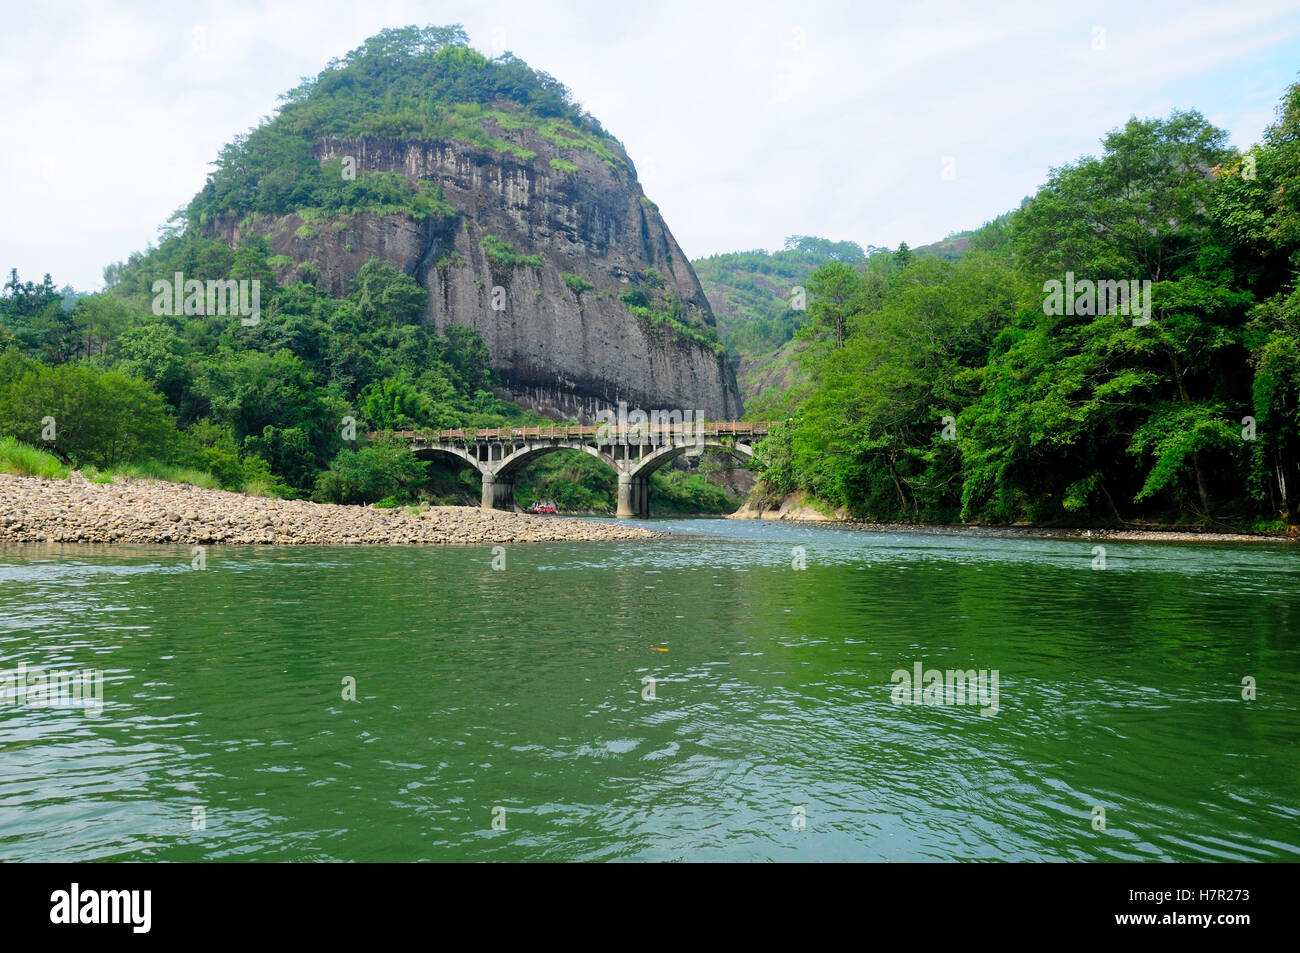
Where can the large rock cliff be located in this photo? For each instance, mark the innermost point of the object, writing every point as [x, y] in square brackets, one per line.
[552, 253]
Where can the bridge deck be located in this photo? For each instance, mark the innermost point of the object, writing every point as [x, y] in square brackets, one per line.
[721, 428]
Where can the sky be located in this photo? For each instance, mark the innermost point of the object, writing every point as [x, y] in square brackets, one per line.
[748, 122]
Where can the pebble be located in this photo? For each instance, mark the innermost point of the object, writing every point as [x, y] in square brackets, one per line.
[34, 510]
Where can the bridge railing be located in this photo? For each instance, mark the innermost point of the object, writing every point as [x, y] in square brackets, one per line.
[737, 428]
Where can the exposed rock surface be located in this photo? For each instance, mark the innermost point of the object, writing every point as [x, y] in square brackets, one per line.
[147, 511]
[794, 506]
[556, 349]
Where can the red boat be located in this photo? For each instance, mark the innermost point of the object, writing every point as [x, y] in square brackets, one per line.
[542, 506]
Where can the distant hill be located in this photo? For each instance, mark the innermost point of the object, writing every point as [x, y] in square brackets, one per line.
[951, 248]
[752, 295]
[990, 235]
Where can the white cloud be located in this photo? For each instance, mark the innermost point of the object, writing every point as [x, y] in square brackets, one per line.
[748, 120]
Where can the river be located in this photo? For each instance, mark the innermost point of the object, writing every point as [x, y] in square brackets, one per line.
[693, 698]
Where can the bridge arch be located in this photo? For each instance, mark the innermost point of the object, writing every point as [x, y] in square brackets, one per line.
[665, 454]
[519, 459]
[634, 479]
[499, 454]
[426, 453]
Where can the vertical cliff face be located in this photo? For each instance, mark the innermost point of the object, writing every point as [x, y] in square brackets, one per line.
[551, 252]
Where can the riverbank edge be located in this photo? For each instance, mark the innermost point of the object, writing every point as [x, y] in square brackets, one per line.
[796, 507]
[75, 510]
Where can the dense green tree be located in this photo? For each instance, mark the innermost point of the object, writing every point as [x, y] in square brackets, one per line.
[384, 295]
[834, 288]
[396, 403]
[1183, 404]
[85, 416]
[370, 474]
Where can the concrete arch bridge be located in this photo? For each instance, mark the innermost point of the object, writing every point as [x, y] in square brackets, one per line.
[634, 452]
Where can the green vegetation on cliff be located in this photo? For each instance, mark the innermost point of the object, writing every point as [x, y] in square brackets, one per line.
[281, 403]
[660, 310]
[420, 83]
[503, 254]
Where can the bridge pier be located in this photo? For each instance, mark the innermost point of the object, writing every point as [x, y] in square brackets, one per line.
[633, 497]
[498, 453]
[498, 492]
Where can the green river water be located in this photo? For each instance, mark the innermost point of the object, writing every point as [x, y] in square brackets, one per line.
[521, 696]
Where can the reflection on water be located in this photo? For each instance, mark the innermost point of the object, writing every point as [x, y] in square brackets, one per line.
[694, 698]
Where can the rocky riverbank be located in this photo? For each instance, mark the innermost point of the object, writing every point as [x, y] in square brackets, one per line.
[146, 511]
[1153, 535]
[796, 506]
[792, 506]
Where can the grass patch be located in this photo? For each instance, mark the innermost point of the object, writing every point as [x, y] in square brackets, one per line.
[563, 165]
[263, 487]
[165, 472]
[668, 319]
[20, 459]
[576, 285]
[96, 475]
[559, 132]
[504, 255]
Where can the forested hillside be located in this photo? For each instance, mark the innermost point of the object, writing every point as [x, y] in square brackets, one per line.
[278, 399]
[759, 299]
[761, 312]
[962, 389]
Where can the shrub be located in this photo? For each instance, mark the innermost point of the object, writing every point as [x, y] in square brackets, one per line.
[375, 472]
[576, 285]
[100, 417]
[502, 253]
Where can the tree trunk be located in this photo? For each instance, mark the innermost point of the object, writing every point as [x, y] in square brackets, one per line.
[1113, 508]
[1196, 455]
[898, 484]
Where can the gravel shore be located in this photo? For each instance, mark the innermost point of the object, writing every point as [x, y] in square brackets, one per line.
[34, 510]
[1048, 532]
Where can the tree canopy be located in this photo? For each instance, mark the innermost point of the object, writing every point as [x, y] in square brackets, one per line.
[950, 390]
